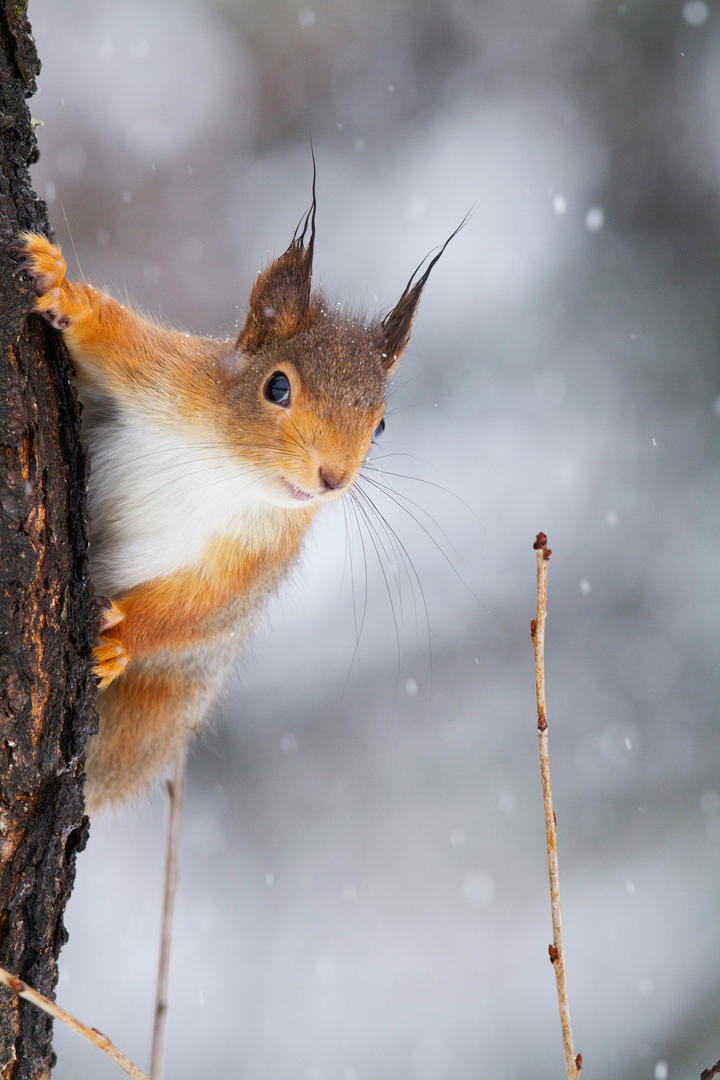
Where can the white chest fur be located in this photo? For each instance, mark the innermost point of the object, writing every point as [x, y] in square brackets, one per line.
[158, 497]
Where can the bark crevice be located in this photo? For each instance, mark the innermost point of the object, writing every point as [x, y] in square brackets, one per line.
[47, 621]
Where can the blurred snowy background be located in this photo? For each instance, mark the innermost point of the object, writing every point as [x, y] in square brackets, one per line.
[363, 890]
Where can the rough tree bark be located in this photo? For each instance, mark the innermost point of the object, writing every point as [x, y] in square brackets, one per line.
[47, 694]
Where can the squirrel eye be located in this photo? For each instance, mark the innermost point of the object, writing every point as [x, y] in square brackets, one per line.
[379, 430]
[277, 389]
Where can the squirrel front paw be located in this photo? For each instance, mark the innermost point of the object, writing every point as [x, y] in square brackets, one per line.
[110, 657]
[46, 266]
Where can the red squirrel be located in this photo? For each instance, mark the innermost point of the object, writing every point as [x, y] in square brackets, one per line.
[209, 460]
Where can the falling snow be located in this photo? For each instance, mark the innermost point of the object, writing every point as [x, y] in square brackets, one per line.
[458, 838]
[696, 12]
[478, 888]
[594, 219]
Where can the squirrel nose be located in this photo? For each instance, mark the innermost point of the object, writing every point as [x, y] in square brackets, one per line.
[331, 479]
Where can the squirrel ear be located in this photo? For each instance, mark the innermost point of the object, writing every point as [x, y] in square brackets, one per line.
[280, 298]
[396, 326]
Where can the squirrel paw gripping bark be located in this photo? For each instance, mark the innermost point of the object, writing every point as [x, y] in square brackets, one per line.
[110, 658]
[46, 266]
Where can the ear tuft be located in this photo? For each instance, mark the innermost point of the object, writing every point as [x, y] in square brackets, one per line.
[395, 328]
[280, 298]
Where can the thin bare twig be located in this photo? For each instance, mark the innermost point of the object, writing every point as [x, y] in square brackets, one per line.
[175, 789]
[21, 988]
[573, 1062]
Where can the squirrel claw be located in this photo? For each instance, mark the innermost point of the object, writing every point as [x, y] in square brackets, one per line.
[110, 613]
[59, 322]
[22, 266]
[110, 660]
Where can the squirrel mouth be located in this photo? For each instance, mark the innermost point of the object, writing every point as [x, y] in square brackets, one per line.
[297, 492]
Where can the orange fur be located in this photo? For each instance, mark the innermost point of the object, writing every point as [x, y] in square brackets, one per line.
[191, 404]
[177, 611]
[144, 718]
[113, 348]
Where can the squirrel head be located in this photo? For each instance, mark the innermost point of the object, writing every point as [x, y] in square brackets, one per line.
[306, 396]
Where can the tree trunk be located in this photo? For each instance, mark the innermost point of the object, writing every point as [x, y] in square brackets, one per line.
[47, 621]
